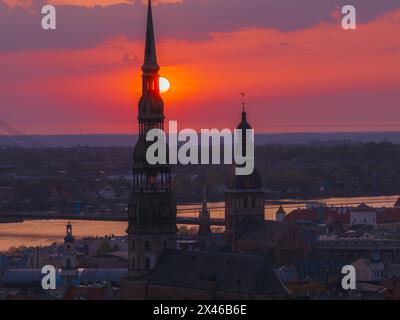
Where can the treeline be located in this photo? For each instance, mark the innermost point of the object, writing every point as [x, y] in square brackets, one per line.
[299, 171]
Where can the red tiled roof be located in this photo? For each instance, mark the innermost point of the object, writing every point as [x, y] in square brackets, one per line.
[388, 215]
[334, 214]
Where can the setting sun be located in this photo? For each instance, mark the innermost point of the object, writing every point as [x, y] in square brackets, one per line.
[164, 85]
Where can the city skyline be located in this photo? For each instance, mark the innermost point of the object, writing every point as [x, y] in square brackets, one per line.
[302, 72]
[315, 221]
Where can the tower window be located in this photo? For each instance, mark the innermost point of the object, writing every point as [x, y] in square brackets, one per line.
[245, 202]
[133, 263]
[253, 202]
[147, 263]
[147, 246]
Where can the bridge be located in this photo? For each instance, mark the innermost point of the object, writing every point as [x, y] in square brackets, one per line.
[42, 215]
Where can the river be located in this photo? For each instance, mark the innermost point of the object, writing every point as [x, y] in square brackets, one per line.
[45, 232]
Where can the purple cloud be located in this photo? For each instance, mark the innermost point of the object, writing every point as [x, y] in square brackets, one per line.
[82, 27]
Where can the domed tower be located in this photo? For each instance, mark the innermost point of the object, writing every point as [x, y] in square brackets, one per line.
[152, 208]
[244, 197]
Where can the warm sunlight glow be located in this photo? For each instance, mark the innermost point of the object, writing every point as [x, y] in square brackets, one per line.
[164, 85]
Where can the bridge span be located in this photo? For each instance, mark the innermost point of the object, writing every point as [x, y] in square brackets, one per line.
[22, 216]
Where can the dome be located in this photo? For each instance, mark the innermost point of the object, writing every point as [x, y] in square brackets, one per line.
[244, 125]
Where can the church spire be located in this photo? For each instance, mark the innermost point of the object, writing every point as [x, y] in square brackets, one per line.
[204, 217]
[150, 56]
[152, 208]
[204, 203]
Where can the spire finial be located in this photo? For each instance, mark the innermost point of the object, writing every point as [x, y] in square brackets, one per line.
[243, 94]
[150, 56]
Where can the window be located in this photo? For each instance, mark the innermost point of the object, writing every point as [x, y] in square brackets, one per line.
[165, 243]
[147, 246]
[245, 202]
[253, 202]
[147, 263]
[133, 263]
[133, 245]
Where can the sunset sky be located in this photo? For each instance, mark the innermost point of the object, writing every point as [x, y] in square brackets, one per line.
[300, 69]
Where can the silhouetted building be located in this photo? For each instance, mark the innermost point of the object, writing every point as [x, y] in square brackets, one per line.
[156, 269]
[152, 208]
[280, 214]
[214, 275]
[282, 242]
[204, 217]
[69, 270]
[244, 197]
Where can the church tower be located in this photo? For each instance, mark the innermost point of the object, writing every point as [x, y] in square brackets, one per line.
[152, 208]
[204, 217]
[69, 271]
[244, 197]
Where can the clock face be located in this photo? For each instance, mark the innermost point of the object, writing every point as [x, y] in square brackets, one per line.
[249, 182]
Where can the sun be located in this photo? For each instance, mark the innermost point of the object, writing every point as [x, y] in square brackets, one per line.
[164, 85]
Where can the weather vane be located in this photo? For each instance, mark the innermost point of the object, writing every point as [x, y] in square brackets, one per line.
[243, 94]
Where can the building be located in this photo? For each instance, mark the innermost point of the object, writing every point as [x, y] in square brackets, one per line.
[107, 193]
[351, 249]
[282, 242]
[204, 217]
[280, 214]
[152, 208]
[69, 267]
[244, 197]
[397, 204]
[247, 231]
[157, 270]
[214, 275]
[318, 215]
[363, 215]
[369, 270]
[381, 219]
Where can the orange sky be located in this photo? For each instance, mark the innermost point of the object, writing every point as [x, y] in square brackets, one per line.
[316, 79]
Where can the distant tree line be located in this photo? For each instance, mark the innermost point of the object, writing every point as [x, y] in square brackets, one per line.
[298, 171]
